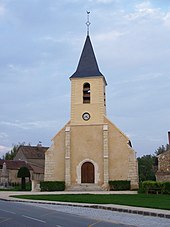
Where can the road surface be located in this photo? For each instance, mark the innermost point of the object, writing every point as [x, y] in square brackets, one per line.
[15, 214]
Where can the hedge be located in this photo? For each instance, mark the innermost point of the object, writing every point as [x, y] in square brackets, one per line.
[166, 188]
[156, 187]
[119, 185]
[52, 185]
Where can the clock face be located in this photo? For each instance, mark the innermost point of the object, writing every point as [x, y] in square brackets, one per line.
[86, 116]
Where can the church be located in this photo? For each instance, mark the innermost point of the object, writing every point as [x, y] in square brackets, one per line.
[89, 151]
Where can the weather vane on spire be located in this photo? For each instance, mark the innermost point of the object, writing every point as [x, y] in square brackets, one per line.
[88, 22]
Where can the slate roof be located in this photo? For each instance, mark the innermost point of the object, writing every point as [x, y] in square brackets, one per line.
[87, 66]
[14, 165]
[33, 152]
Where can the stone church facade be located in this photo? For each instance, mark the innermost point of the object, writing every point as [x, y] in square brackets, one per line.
[90, 149]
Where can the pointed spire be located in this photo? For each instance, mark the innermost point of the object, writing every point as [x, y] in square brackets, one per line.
[87, 66]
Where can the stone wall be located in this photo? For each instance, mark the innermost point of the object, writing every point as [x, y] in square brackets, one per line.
[13, 176]
[163, 173]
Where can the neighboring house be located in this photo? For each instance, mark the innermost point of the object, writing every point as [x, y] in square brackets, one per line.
[32, 154]
[163, 172]
[35, 157]
[90, 150]
[12, 168]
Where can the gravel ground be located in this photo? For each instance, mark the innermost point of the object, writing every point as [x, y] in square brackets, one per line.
[113, 216]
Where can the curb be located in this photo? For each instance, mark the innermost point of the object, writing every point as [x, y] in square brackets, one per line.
[95, 206]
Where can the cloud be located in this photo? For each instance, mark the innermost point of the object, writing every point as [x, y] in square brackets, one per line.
[30, 125]
[144, 11]
[103, 1]
[41, 42]
[49, 39]
[3, 135]
[140, 78]
[167, 20]
[2, 9]
[108, 36]
[4, 150]
[67, 38]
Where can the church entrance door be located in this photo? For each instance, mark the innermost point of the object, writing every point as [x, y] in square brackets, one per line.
[87, 173]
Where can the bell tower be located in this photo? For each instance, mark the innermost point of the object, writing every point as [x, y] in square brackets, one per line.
[89, 151]
[88, 101]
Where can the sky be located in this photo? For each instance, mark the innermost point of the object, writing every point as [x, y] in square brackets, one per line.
[40, 46]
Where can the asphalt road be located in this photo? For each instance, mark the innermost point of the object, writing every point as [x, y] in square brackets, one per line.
[22, 215]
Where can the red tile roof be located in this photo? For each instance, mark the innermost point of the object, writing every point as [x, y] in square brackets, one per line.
[14, 165]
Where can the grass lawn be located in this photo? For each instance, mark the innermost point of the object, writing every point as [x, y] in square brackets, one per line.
[138, 200]
[17, 188]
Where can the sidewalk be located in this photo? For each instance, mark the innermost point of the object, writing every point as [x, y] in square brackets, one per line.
[5, 195]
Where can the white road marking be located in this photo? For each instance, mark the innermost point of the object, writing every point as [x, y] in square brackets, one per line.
[7, 219]
[8, 211]
[59, 225]
[93, 224]
[35, 219]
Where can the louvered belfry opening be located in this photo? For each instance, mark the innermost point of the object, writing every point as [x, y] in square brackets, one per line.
[86, 93]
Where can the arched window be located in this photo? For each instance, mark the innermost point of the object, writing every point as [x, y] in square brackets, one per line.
[86, 93]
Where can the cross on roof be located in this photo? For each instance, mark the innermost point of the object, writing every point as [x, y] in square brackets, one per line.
[88, 22]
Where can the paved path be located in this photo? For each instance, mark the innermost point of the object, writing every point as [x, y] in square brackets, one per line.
[126, 215]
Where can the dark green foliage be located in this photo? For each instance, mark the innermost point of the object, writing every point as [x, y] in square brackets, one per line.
[152, 187]
[166, 188]
[146, 167]
[148, 164]
[52, 185]
[23, 172]
[18, 187]
[141, 190]
[156, 187]
[119, 185]
[162, 149]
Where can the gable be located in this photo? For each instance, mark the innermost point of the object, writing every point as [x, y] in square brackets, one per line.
[31, 152]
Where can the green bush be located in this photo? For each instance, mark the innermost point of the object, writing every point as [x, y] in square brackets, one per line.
[141, 189]
[166, 188]
[119, 185]
[52, 185]
[151, 186]
[156, 187]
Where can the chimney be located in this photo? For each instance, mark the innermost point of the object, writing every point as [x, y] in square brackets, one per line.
[169, 137]
[39, 144]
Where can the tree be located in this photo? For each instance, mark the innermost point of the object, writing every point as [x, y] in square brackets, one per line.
[146, 167]
[11, 154]
[23, 172]
[148, 164]
[162, 149]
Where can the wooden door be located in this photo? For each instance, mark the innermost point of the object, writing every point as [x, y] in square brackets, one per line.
[87, 173]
